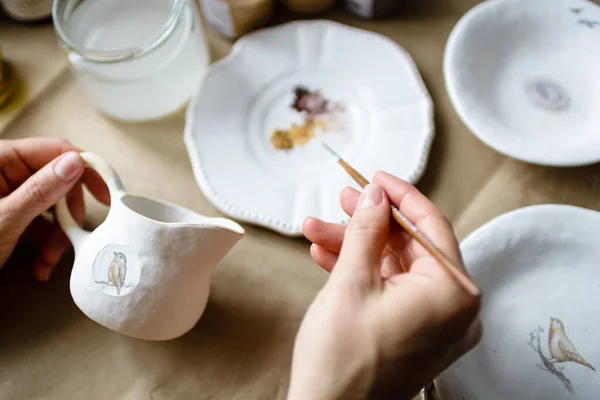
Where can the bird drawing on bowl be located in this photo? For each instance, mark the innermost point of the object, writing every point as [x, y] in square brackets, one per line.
[562, 350]
[583, 21]
[117, 271]
[589, 23]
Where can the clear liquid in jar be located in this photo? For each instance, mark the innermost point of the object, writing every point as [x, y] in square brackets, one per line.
[152, 85]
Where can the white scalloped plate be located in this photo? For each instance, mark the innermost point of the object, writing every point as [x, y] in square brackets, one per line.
[533, 265]
[386, 123]
[523, 76]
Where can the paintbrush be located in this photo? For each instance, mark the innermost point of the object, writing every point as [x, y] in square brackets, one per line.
[413, 231]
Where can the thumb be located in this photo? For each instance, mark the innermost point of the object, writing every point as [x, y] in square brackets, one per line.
[43, 189]
[366, 237]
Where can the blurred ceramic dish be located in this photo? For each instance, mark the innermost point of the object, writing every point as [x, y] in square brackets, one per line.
[539, 273]
[384, 121]
[523, 76]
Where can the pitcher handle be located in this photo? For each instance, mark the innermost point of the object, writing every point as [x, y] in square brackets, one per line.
[74, 232]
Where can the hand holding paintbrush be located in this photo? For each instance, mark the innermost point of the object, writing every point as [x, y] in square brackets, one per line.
[390, 317]
[413, 231]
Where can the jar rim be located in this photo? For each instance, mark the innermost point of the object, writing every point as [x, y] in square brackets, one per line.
[60, 8]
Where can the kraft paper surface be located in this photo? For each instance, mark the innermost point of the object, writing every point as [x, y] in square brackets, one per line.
[242, 346]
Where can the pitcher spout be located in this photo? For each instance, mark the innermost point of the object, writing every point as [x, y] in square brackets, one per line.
[212, 239]
[206, 231]
[224, 224]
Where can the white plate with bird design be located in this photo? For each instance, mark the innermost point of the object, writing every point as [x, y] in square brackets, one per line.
[254, 130]
[539, 271]
[523, 76]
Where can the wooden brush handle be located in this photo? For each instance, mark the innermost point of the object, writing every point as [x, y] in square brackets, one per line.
[411, 228]
[354, 173]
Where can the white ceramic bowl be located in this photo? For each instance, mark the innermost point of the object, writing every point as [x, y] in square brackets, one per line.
[387, 122]
[523, 76]
[539, 271]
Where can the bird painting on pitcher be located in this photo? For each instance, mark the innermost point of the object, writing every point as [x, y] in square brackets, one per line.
[117, 271]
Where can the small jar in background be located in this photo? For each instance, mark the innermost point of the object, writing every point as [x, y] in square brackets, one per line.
[307, 7]
[370, 9]
[28, 11]
[234, 18]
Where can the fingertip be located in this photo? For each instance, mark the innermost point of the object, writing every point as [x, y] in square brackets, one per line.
[69, 166]
[391, 184]
[104, 198]
[348, 192]
[384, 175]
[477, 303]
[348, 199]
[323, 257]
[372, 196]
[313, 250]
[310, 228]
[42, 271]
[308, 223]
[378, 174]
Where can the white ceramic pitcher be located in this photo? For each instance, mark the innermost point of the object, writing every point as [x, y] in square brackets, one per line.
[145, 271]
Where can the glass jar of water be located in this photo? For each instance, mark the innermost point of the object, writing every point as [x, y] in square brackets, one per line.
[136, 60]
